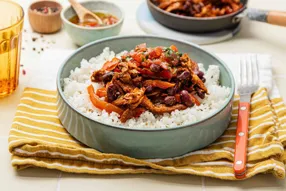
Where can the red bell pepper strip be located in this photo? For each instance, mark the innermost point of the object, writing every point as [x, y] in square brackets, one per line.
[138, 111]
[195, 100]
[101, 92]
[100, 104]
[111, 65]
[158, 84]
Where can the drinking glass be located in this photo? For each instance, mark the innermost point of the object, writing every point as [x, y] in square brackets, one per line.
[11, 25]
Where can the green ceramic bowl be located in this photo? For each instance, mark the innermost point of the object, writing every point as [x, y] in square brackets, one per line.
[142, 143]
[83, 35]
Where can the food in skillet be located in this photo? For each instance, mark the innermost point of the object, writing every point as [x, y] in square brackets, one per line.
[154, 87]
[157, 79]
[199, 8]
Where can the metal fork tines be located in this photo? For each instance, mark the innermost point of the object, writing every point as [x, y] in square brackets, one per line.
[248, 83]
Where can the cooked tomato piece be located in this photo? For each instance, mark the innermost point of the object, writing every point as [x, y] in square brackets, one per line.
[92, 24]
[156, 61]
[166, 74]
[117, 70]
[146, 64]
[155, 53]
[178, 98]
[174, 48]
[146, 72]
[138, 57]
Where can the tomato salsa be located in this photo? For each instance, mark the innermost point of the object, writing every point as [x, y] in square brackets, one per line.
[107, 19]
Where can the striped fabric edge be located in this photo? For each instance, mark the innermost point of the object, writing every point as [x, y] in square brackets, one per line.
[223, 147]
[280, 110]
[273, 166]
[15, 142]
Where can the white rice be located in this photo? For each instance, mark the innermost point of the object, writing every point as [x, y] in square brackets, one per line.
[75, 89]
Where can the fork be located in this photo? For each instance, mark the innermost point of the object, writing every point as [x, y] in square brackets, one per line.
[248, 83]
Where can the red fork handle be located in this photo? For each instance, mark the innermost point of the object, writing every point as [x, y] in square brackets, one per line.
[240, 151]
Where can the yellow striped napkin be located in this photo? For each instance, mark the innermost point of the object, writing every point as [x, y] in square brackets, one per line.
[37, 139]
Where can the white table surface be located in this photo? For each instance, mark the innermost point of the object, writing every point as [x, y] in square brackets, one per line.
[254, 37]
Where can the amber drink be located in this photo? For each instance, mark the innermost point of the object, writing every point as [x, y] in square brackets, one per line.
[11, 24]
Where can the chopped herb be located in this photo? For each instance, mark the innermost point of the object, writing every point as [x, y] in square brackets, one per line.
[179, 54]
[128, 58]
[168, 52]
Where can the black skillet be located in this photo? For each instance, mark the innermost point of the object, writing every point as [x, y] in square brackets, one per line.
[203, 25]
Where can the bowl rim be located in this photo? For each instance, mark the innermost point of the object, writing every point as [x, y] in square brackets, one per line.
[45, 15]
[149, 2]
[60, 92]
[94, 28]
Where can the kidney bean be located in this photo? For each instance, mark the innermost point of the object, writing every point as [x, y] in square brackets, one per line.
[107, 77]
[148, 89]
[173, 90]
[200, 93]
[112, 93]
[184, 75]
[170, 100]
[137, 81]
[200, 74]
[155, 67]
[203, 79]
[186, 99]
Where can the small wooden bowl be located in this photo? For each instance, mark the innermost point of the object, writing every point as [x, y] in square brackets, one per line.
[45, 23]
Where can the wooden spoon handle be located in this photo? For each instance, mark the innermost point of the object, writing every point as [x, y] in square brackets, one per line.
[79, 9]
[271, 17]
[83, 13]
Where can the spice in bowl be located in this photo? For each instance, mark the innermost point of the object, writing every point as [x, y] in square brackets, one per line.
[44, 16]
[46, 10]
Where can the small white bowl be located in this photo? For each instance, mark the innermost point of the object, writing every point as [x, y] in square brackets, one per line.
[82, 35]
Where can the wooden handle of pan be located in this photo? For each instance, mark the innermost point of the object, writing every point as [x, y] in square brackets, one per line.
[276, 18]
[271, 17]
